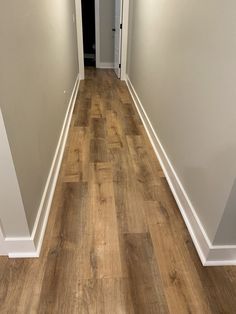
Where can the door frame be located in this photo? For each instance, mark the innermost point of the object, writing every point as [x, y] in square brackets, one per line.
[124, 44]
[80, 41]
[118, 29]
[124, 41]
[97, 32]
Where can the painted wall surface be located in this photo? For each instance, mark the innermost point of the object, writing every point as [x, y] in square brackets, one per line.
[107, 21]
[226, 232]
[12, 221]
[38, 62]
[182, 64]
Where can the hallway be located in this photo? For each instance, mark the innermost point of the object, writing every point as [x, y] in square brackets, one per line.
[115, 240]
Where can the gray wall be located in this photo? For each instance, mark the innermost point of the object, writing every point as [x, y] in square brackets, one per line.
[226, 232]
[182, 64]
[38, 62]
[107, 22]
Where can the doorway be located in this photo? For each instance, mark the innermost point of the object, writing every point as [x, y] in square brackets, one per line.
[102, 29]
[88, 20]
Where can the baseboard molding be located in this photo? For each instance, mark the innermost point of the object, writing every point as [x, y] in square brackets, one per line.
[31, 247]
[210, 255]
[105, 65]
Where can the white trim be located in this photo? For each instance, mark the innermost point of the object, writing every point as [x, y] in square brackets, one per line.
[118, 37]
[80, 42]
[124, 45]
[105, 65]
[31, 246]
[210, 255]
[97, 32]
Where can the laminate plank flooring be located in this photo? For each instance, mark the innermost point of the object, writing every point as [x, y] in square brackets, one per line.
[115, 241]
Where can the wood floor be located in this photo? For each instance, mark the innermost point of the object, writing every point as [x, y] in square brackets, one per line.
[115, 241]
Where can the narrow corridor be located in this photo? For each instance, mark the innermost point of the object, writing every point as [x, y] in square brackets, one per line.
[115, 241]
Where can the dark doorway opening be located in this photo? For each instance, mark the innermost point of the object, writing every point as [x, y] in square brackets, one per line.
[88, 16]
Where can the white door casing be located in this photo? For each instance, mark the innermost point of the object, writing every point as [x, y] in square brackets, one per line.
[97, 32]
[124, 45]
[118, 36]
[80, 42]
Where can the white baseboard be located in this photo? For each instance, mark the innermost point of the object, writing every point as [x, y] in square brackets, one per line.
[31, 247]
[210, 255]
[105, 65]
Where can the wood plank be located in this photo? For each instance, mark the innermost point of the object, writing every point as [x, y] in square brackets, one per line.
[129, 202]
[144, 278]
[115, 136]
[145, 174]
[105, 252]
[97, 109]
[130, 125]
[104, 296]
[98, 128]
[76, 166]
[62, 259]
[82, 117]
[98, 150]
[183, 290]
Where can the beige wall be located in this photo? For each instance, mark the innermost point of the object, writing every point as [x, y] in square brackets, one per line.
[182, 64]
[12, 213]
[107, 21]
[38, 69]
